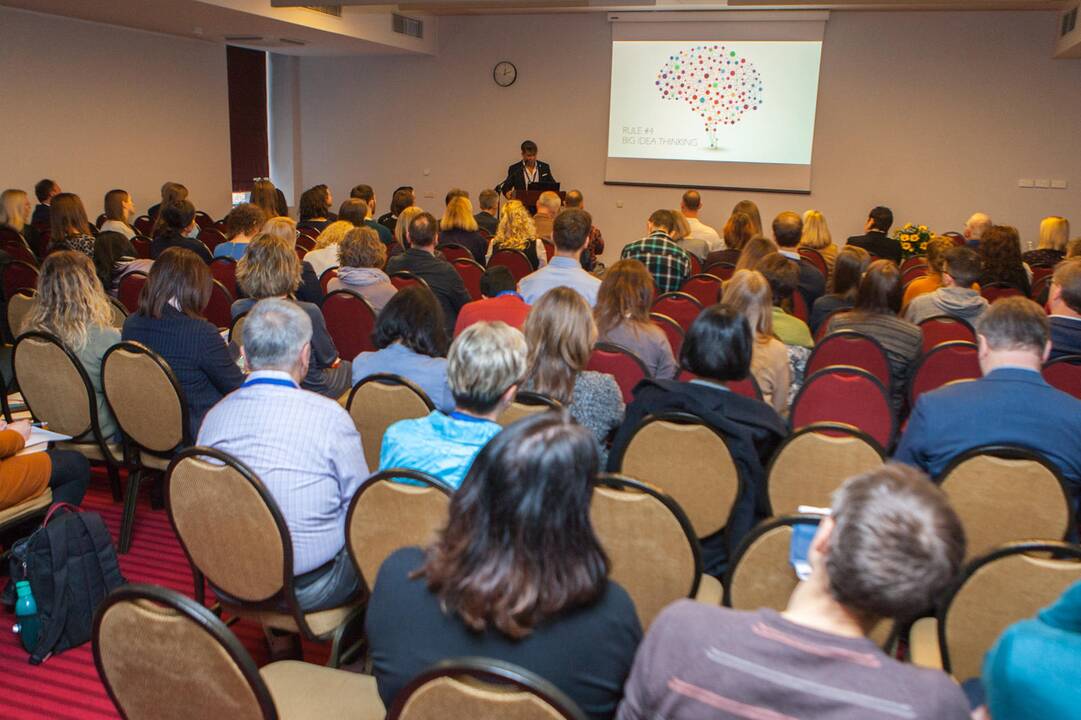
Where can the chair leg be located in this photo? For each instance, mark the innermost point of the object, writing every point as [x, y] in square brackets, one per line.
[114, 482]
[129, 511]
[348, 642]
[200, 585]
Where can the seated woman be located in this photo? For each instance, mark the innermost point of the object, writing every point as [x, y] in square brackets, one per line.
[816, 236]
[314, 210]
[177, 222]
[517, 575]
[171, 193]
[1054, 235]
[325, 254]
[737, 232]
[754, 250]
[486, 364]
[119, 212]
[748, 292]
[875, 313]
[114, 257]
[622, 316]
[851, 263]
[936, 258]
[69, 229]
[25, 477]
[170, 322]
[270, 268]
[285, 230]
[412, 343]
[241, 225]
[1000, 248]
[459, 227]
[517, 231]
[15, 213]
[362, 256]
[717, 350]
[71, 305]
[561, 335]
[266, 197]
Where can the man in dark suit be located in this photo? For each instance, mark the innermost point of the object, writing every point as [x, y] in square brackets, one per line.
[45, 190]
[420, 259]
[875, 240]
[787, 231]
[530, 170]
[1010, 405]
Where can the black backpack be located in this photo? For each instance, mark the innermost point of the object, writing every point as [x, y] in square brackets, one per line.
[71, 564]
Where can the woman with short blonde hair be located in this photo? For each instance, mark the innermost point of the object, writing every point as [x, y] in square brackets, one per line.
[622, 316]
[816, 235]
[15, 213]
[517, 231]
[749, 293]
[362, 256]
[1054, 237]
[459, 227]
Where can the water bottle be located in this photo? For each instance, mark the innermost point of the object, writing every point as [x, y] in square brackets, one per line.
[26, 612]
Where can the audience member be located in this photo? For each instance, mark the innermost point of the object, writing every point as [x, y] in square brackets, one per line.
[270, 269]
[748, 293]
[365, 193]
[119, 213]
[961, 268]
[71, 305]
[488, 217]
[1014, 339]
[401, 242]
[459, 227]
[595, 245]
[501, 302]
[412, 343]
[1054, 234]
[517, 231]
[402, 198]
[750, 209]
[284, 229]
[324, 255]
[517, 575]
[242, 224]
[787, 232]
[265, 197]
[622, 317]
[44, 191]
[570, 233]
[362, 256]
[668, 263]
[25, 477]
[114, 257]
[454, 193]
[1073, 249]
[851, 263]
[548, 206]
[177, 221]
[1001, 252]
[303, 448]
[738, 231]
[936, 258]
[70, 229]
[485, 364]
[314, 210]
[783, 278]
[170, 322]
[717, 350]
[878, 301]
[681, 235]
[754, 250]
[1064, 301]
[15, 215]
[875, 240]
[420, 259]
[816, 236]
[690, 206]
[171, 193]
[890, 546]
[975, 227]
[561, 334]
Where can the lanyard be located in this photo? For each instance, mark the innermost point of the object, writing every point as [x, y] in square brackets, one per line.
[531, 175]
[270, 381]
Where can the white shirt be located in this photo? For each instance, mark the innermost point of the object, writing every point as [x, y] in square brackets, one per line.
[117, 226]
[701, 231]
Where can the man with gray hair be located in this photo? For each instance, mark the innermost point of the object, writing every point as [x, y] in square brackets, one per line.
[302, 446]
[548, 206]
[976, 226]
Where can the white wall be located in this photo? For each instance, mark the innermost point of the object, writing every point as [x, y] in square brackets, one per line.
[96, 107]
[936, 114]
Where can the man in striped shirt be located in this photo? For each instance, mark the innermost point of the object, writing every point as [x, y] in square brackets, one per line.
[890, 545]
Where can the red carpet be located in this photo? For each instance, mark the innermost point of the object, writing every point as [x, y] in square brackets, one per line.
[67, 685]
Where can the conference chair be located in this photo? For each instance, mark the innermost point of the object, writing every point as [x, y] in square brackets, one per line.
[350, 320]
[816, 460]
[152, 646]
[823, 327]
[944, 328]
[800, 307]
[119, 313]
[453, 251]
[211, 237]
[1005, 585]
[849, 396]
[404, 278]
[305, 242]
[549, 249]
[203, 220]
[235, 538]
[150, 408]
[696, 264]
[619, 362]
[324, 280]
[129, 289]
[471, 272]
[1004, 493]
[19, 306]
[219, 308]
[386, 515]
[747, 387]
[651, 546]
[141, 243]
[1064, 373]
[223, 269]
[672, 330]
[704, 287]
[724, 269]
[848, 347]
[514, 260]
[679, 306]
[913, 272]
[996, 290]
[481, 689]
[1041, 289]
[236, 330]
[143, 225]
[308, 232]
[945, 363]
[377, 402]
[914, 261]
[527, 404]
[18, 276]
[16, 247]
[815, 258]
[25, 511]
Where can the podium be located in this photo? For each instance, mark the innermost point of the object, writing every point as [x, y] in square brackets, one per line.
[529, 197]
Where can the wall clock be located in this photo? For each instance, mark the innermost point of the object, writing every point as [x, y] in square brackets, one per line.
[504, 73]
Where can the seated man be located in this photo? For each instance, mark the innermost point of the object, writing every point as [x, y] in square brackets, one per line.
[303, 447]
[488, 217]
[420, 259]
[1064, 300]
[548, 206]
[787, 231]
[500, 302]
[890, 545]
[667, 262]
[1010, 405]
[875, 240]
[569, 234]
[574, 200]
[485, 364]
[956, 297]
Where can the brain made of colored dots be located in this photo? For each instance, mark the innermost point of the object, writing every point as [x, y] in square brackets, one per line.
[717, 83]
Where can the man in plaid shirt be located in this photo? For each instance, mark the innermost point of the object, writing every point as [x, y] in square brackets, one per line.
[668, 263]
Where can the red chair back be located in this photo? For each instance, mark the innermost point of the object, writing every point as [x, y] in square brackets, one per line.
[219, 308]
[748, 387]
[723, 270]
[1039, 272]
[13, 244]
[958, 238]
[514, 260]
[847, 347]
[799, 306]
[846, 395]
[620, 363]
[328, 275]
[19, 275]
[223, 270]
[1064, 373]
[679, 306]
[305, 242]
[204, 221]
[815, 258]
[949, 361]
[1041, 288]
[453, 251]
[471, 272]
[914, 261]
[308, 232]
[706, 288]
[131, 285]
[141, 243]
[672, 329]
[994, 291]
[301, 251]
[915, 271]
[143, 225]
[350, 321]
[821, 331]
[696, 264]
[549, 249]
[944, 328]
[211, 237]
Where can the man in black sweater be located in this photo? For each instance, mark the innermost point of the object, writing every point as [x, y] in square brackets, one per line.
[440, 275]
[875, 240]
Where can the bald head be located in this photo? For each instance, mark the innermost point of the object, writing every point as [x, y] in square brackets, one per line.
[574, 200]
[977, 225]
[691, 203]
[787, 229]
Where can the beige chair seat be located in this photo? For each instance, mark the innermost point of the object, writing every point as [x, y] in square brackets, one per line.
[154, 462]
[923, 648]
[26, 507]
[92, 451]
[710, 590]
[302, 691]
[321, 623]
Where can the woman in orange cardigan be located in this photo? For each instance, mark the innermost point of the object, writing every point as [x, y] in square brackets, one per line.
[23, 477]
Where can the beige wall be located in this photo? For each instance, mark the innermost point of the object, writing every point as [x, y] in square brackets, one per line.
[935, 114]
[96, 107]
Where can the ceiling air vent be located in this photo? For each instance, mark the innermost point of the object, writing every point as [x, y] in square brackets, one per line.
[408, 26]
[334, 10]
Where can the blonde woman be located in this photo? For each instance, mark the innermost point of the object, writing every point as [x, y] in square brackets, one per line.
[756, 248]
[517, 232]
[402, 226]
[325, 254]
[560, 334]
[748, 292]
[15, 212]
[285, 229]
[71, 304]
[119, 212]
[622, 316]
[816, 235]
[1054, 236]
[270, 268]
[459, 227]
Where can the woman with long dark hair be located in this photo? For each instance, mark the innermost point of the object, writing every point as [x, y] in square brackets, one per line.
[851, 263]
[517, 574]
[1000, 248]
[622, 317]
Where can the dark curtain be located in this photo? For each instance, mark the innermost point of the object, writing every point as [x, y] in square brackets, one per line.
[248, 135]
